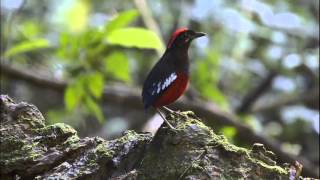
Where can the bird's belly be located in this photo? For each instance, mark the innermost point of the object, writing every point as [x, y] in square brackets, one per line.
[174, 91]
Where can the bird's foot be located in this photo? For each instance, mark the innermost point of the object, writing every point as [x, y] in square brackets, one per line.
[166, 121]
[169, 125]
[171, 111]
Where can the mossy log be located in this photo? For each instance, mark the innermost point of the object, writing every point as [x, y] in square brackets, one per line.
[32, 150]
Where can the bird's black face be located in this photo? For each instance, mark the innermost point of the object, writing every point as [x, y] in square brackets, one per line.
[184, 38]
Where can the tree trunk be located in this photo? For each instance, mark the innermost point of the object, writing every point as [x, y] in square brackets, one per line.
[32, 150]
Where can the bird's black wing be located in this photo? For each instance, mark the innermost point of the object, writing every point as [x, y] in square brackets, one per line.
[158, 80]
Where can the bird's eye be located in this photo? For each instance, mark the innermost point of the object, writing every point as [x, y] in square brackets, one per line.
[185, 36]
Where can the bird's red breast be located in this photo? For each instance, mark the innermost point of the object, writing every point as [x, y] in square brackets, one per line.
[174, 91]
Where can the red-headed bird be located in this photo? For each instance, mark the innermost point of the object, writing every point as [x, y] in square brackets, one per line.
[169, 78]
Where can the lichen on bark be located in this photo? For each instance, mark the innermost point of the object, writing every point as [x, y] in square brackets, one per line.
[32, 150]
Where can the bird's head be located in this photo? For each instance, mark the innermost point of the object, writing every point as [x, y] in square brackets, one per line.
[182, 38]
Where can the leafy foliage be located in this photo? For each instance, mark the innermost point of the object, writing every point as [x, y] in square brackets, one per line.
[88, 56]
[26, 46]
[94, 108]
[92, 53]
[229, 132]
[206, 78]
[73, 15]
[117, 66]
[121, 20]
[73, 95]
[96, 84]
[86, 88]
[134, 37]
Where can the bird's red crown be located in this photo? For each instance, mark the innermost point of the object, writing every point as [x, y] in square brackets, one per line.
[175, 35]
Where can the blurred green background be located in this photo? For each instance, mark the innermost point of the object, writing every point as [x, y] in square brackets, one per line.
[259, 61]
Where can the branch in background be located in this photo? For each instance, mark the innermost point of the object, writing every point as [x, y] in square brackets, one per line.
[254, 95]
[151, 24]
[31, 77]
[131, 98]
[309, 98]
[309, 77]
[12, 16]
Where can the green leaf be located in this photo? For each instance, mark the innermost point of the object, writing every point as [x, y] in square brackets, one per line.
[121, 20]
[30, 29]
[229, 132]
[63, 52]
[95, 84]
[74, 93]
[206, 78]
[56, 116]
[214, 94]
[134, 37]
[26, 46]
[71, 97]
[72, 15]
[117, 65]
[94, 108]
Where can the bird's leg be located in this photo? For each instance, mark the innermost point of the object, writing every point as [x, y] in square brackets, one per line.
[165, 120]
[170, 110]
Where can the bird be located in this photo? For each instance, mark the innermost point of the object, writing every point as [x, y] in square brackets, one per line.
[169, 77]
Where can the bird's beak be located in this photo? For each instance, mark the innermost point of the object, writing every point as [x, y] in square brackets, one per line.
[198, 34]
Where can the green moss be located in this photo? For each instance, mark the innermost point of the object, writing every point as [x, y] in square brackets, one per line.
[16, 158]
[72, 142]
[212, 138]
[18, 148]
[130, 135]
[104, 152]
[33, 144]
[58, 128]
[10, 143]
[57, 134]
[223, 141]
[32, 150]
[29, 114]
[191, 121]
[273, 168]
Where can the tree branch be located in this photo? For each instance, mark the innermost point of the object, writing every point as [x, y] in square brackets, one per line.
[254, 95]
[143, 8]
[309, 98]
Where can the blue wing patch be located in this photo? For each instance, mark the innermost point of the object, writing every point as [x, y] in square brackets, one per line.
[158, 87]
[150, 93]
